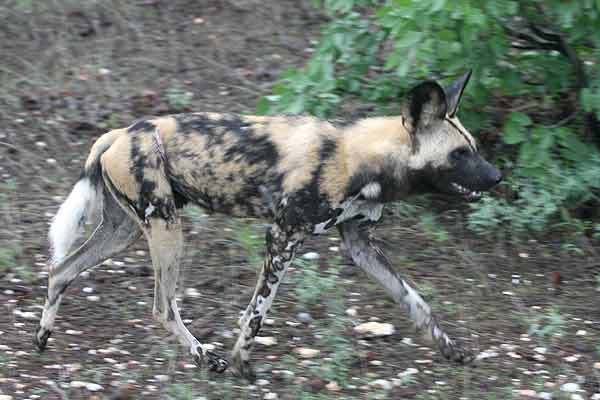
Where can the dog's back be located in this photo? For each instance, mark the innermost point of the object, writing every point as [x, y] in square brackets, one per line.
[237, 165]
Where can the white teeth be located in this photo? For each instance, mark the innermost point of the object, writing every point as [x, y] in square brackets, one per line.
[463, 190]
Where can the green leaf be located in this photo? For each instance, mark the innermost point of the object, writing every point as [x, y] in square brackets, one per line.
[514, 129]
[574, 149]
[409, 39]
[438, 5]
[296, 106]
[263, 105]
[587, 99]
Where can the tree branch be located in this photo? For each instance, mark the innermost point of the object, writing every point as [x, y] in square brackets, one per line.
[537, 38]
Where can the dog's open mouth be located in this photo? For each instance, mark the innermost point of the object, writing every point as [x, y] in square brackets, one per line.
[470, 195]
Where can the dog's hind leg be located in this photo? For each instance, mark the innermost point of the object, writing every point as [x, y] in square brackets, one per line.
[115, 233]
[281, 248]
[370, 258]
[166, 244]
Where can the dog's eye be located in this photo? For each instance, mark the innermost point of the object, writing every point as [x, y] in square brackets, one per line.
[461, 152]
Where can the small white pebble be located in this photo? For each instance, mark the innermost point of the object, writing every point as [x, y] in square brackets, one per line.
[73, 332]
[93, 298]
[77, 384]
[262, 382]
[87, 290]
[382, 384]
[351, 312]
[265, 340]
[487, 354]
[192, 292]
[271, 396]
[311, 256]
[306, 352]
[93, 387]
[26, 315]
[375, 329]
[581, 332]
[570, 387]
[528, 393]
[408, 372]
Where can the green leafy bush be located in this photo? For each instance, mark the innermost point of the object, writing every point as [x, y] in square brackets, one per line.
[535, 81]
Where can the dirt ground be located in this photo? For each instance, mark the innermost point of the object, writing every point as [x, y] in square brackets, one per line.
[70, 70]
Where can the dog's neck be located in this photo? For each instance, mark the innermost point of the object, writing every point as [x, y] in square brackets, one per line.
[368, 153]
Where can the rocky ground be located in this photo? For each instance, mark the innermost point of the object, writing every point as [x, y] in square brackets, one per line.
[70, 70]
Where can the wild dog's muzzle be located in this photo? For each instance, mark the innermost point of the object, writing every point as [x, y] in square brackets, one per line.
[472, 176]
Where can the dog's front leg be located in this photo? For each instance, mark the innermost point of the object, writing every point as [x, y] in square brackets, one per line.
[371, 259]
[281, 248]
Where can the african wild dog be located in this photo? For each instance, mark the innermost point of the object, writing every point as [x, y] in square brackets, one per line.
[304, 174]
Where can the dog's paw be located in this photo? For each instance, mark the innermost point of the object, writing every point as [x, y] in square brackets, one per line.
[216, 363]
[40, 338]
[243, 369]
[213, 362]
[457, 353]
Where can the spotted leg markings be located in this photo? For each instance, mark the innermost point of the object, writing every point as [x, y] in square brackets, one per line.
[281, 248]
[356, 206]
[371, 259]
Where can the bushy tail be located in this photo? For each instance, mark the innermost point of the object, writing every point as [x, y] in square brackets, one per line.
[83, 204]
[80, 207]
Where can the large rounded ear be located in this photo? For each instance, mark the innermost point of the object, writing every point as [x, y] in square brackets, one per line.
[454, 92]
[424, 104]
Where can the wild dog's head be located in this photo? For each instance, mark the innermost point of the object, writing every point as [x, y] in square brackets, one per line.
[444, 154]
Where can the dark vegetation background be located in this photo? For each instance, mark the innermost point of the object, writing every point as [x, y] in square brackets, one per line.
[516, 276]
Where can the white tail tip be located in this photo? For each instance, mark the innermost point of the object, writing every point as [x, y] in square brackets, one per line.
[70, 218]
